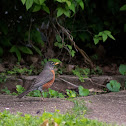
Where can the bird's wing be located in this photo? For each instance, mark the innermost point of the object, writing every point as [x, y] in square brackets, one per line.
[44, 77]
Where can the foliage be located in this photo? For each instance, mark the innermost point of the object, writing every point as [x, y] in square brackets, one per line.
[20, 33]
[113, 86]
[6, 91]
[18, 70]
[50, 94]
[102, 36]
[8, 119]
[3, 77]
[70, 93]
[61, 44]
[122, 69]
[83, 91]
[81, 73]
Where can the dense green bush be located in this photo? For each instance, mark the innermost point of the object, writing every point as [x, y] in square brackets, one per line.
[88, 21]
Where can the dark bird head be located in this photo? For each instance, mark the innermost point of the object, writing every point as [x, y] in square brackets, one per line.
[50, 65]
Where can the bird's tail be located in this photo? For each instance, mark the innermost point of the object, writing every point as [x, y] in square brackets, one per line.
[22, 94]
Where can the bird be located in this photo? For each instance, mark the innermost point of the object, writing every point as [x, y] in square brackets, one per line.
[44, 80]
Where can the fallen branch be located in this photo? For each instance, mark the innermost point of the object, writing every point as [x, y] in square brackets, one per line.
[68, 82]
[83, 53]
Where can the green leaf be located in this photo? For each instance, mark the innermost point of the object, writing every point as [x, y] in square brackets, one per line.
[83, 91]
[36, 8]
[15, 49]
[58, 38]
[41, 1]
[113, 86]
[96, 39]
[122, 69]
[67, 13]
[104, 36]
[123, 8]
[25, 49]
[29, 4]
[46, 9]
[68, 3]
[60, 11]
[1, 51]
[69, 46]
[37, 50]
[72, 7]
[82, 4]
[37, 2]
[55, 60]
[109, 34]
[23, 1]
[20, 89]
[73, 53]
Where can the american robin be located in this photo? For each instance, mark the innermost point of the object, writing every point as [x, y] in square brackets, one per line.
[44, 80]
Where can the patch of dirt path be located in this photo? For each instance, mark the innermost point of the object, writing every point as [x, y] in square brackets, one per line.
[109, 107]
[34, 105]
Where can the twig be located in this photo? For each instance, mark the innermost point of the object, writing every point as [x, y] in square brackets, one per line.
[68, 82]
[83, 53]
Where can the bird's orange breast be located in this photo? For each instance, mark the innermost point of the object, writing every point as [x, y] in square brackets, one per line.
[49, 84]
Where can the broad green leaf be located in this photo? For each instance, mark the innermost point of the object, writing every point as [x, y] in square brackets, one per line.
[96, 40]
[46, 9]
[83, 91]
[55, 60]
[73, 53]
[15, 49]
[29, 4]
[36, 8]
[67, 13]
[69, 46]
[41, 1]
[23, 1]
[104, 36]
[109, 34]
[37, 2]
[61, 1]
[122, 69]
[25, 49]
[123, 8]
[72, 7]
[82, 4]
[60, 11]
[68, 3]
[1, 51]
[113, 85]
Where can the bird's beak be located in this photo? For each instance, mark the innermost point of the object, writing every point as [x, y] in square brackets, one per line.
[56, 63]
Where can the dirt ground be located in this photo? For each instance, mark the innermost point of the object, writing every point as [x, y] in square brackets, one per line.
[109, 107]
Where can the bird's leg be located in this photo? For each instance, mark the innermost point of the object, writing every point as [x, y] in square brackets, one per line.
[40, 89]
[42, 98]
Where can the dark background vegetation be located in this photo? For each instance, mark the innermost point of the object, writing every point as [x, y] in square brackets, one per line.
[20, 39]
